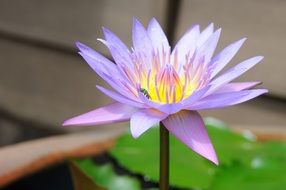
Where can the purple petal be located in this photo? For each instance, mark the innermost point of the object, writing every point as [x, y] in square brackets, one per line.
[115, 83]
[187, 44]
[166, 108]
[237, 86]
[226, 99]
[195, 96]
[111, 113]
[205, 34]
[115, 40]
[96, 61]
[157, 36]
[207, 49]
[233, 73]
[223, 58]
[189, 127]
[143, 120]
[117, 48]
[141, 40]
[103, 67]
[120, 98]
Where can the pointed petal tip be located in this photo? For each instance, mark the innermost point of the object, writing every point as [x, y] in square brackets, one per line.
[74, 122]
[65, 123]
[218, 31]
[257, 59]
[264, 91]
[195, 26]
[241, 41]
[153, 20]
[209, 155]
[137, 25]
[212, 158]
[69, 122]
[135, 21]
[106, 31]
[215, 161]
[260, 57]
[80, 45]
[210, 26]
[107, 35]
[134, 133]
[104, 28]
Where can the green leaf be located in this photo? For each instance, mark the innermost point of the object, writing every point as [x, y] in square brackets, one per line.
[189, 170]
[100, 177]
[230, 146]
[264, 174]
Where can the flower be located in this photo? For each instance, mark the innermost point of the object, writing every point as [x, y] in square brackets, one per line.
[152, 83]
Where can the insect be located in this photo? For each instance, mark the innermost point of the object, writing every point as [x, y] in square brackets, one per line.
[145, 92]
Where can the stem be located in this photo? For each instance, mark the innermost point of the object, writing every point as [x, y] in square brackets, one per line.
[164, 157]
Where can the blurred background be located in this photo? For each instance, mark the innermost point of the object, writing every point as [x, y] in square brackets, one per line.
[43, 80]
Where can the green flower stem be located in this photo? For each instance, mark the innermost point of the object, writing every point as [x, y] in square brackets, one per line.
[164, 157]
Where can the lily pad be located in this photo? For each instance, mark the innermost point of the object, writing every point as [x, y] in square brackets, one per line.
[264, 173]
[189, 170]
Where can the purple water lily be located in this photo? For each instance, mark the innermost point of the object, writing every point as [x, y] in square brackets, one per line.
[152, 83]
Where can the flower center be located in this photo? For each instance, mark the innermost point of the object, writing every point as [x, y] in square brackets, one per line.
[167, 86]
[163, 79]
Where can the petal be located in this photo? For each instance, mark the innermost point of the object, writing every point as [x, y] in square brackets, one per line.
[237, 86]
[141, 40]
[117, 48]
[195, 96]
[207, 49]
[114, 82]
[111, 113]
[187, 44]
[233, 73]
[103, 67]
[96, 61]
[189, 127]
[205, 34]
[157, 36]
[115, 40]
[221, 100]
[143, 120]
[223, 58]
[120, 98]
[166, 108]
